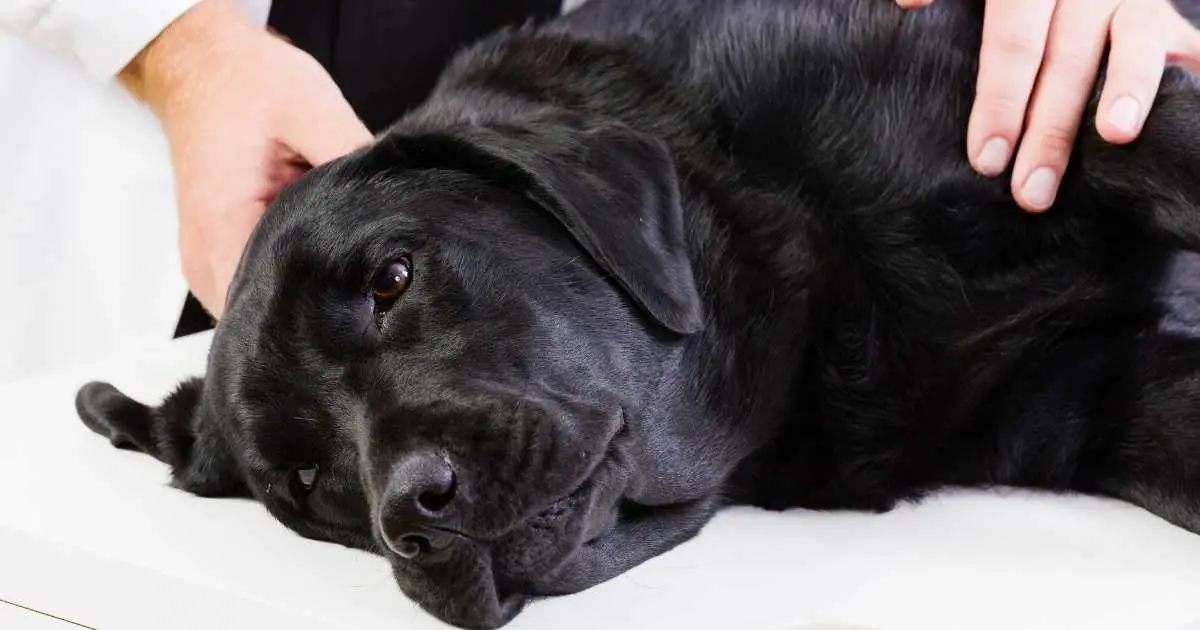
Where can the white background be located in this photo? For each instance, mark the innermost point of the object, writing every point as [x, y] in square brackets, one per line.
[88, 258]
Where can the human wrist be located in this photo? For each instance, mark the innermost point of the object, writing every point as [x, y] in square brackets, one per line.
[210, 30]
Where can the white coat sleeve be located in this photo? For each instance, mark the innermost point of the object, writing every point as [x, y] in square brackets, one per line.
[102, 36]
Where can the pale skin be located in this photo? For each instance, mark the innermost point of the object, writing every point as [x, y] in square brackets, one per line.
[1039, 62]
[245, 113]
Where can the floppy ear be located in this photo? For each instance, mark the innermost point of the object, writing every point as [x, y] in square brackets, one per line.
[174, 433]
[615, 191]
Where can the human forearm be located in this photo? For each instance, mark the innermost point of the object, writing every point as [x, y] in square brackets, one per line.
[209, 31]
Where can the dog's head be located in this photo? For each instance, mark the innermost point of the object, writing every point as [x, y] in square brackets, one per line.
[459, 349]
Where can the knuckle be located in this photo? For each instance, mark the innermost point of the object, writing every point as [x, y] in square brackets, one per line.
[1135, 15]
[1054, 142]
[1000, 110]
[1156, 11]
[1073, 62]
[1138, 54]
[1020, 44]
[1127, 11]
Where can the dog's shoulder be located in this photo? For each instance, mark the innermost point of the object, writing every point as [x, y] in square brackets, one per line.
[846, 90]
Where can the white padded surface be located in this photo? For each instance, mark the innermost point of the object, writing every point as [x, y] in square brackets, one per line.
[94, 535]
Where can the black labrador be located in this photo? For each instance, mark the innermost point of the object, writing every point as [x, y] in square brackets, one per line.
[655, 258]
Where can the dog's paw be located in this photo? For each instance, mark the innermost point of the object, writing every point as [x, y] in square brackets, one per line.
[171, 432]
[112, 414]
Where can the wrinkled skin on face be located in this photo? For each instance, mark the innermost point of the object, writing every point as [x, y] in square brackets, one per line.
[442, 360]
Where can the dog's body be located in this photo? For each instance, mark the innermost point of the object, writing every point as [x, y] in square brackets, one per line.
[677, 254]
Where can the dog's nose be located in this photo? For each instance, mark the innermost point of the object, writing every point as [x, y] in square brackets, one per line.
[418, 504]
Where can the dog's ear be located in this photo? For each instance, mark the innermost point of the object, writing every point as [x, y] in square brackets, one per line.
[615, 191]
[173, 432]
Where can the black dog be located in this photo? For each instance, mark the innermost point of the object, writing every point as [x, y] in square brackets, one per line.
[659, 257]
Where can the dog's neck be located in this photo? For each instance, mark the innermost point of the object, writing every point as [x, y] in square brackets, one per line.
[743, 245]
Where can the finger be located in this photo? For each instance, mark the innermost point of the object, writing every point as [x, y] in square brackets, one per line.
[913, 4]
[1073, 53]
[326, 130]
[1135, 68]
[1014, 39]
[212, 299]
[1184, 49]
[280, 176]
[224, 250]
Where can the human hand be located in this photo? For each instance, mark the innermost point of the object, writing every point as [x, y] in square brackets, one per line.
[1038, 66]
[245, 113]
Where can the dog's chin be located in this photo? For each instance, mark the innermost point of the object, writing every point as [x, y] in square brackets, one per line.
[461, 589]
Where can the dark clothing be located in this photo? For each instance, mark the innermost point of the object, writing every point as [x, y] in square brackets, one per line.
[385, 55]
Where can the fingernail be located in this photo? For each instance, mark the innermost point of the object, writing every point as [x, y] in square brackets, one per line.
[1125, 114]
[1040, 187]
[994, 157]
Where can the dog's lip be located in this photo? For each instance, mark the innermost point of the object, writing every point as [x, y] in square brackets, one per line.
[444, 529]
[578, 493]
[587, 480]
[601, 481]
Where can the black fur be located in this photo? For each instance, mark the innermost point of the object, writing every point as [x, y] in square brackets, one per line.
[672, 255]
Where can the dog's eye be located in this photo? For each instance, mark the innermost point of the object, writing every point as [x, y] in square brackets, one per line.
[304, 479]
[391, 281]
